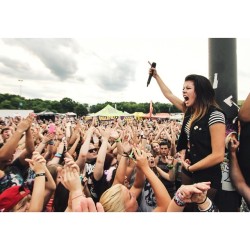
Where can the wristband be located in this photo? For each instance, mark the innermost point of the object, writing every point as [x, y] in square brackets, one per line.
[202, 201]
[51, 142]
[40, 174]
[178, 201]
[77, 197]
[58, 155]
[170, 166]
[118, 140]
[210, 208]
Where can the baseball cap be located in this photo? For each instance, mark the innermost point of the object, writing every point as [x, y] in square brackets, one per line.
[11, 196]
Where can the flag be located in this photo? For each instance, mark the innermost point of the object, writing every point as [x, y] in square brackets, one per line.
[151, 109]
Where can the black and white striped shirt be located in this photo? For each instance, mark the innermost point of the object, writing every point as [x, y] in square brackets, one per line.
[215, 117]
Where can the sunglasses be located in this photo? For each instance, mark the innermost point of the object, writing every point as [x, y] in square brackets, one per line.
[92, 150]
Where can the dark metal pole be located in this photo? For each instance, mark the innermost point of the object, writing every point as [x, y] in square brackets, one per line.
[223, 74]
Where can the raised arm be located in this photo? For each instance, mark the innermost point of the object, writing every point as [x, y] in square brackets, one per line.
[84, 149]
[37, 163]
[29, 147]
[161, 194]
[178, 103]
[8, 149]
[99, 166]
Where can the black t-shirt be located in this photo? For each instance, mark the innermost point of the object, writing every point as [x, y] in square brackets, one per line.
[105, 182]
[244, 151]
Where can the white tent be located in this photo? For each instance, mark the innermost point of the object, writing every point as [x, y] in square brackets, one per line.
[15, 112]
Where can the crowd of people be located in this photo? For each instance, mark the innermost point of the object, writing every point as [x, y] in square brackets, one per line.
[73, 165]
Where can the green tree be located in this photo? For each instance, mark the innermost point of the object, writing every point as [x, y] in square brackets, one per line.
[67, 105]
[6, 104]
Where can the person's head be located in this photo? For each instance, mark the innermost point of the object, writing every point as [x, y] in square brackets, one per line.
[119, 198]
[163, 135]
[92, 152]
[61, 197]
[54, 169]
[164, 148]
[198, 91]
[198, 95]
[151, 160]
[15, 199]
[155, 147]
[5, 133]
[151, 136]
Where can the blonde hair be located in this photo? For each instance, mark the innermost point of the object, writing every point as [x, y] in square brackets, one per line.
[112, 199]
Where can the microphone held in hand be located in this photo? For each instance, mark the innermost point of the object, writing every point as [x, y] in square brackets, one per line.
[153, 65]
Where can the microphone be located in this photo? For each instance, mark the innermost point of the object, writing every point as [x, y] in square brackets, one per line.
[153, 65]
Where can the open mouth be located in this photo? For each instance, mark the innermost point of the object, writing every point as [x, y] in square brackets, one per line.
[186, 98]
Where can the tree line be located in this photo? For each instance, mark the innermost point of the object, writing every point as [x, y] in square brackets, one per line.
[8, 101]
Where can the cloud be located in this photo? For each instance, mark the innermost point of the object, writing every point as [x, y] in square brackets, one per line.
[14, 64]
[55, 54]
[117, 75]
[18, 69]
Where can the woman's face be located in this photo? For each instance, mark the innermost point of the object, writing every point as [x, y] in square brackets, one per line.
[156, 147]
[189, 94]
[151, 160]
[131, 204]
[23, 205]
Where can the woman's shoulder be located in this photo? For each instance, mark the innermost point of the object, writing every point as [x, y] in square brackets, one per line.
[213, 108]
[216, 115]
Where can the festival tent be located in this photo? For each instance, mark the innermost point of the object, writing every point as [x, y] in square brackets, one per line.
[177, 116]
[15, 112]
[139, 114]
[110, 113]
[71, 114]
[46, 115]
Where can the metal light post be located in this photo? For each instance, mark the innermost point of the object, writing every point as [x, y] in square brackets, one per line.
[20, 90]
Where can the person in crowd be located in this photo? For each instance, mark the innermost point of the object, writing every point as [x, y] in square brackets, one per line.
[237, 176]
[203, 131]
[119, 198]
[240, 156]
[155, 147]
[5, 134]
[166, 163]
[230, 199]
[147, 201]
[244, 138]
[18, 198]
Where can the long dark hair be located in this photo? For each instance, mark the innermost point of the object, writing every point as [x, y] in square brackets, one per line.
[108, 160]
[205, 96]
[61, 198]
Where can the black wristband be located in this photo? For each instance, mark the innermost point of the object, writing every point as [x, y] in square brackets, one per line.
[125, 155]
[40, 174]
[202, 201]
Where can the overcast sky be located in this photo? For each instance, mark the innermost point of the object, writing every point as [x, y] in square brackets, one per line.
[96, 70]
[99, 51]
[109, 63]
